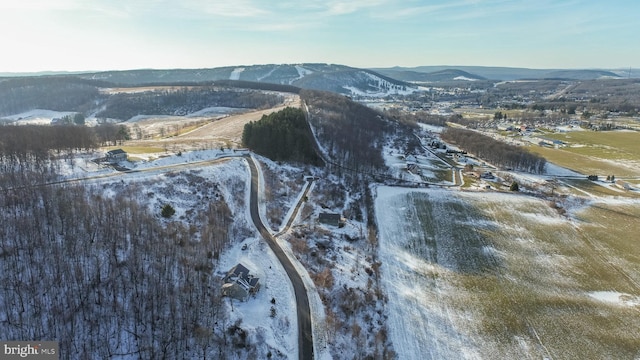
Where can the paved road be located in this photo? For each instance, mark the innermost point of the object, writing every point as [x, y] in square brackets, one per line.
[305, 335]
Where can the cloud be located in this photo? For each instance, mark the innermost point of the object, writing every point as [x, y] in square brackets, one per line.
[231, 9]
[341, 7]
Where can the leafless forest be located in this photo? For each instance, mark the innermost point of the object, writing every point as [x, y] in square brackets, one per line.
[97, 267]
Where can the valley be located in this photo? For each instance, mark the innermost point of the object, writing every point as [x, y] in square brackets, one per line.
[432, 252]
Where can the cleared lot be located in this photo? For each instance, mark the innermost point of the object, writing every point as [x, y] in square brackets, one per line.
[486, 276]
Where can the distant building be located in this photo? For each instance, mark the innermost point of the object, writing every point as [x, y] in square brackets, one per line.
[330, 219]
[239, 283]
[115, 156]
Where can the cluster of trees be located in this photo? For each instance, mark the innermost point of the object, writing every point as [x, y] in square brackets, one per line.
[30, 145]
[494, 151]
[184, 101]
[411, 119]
[241, 84]
[76, 119]
[352, 134]
[283, 135]
[53, 93]
[33, 145]
[111, 134]
[107, 277]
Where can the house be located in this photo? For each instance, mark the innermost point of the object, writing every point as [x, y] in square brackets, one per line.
[411, 158]
[487, 175]
[239, 283]
[330, 219]
[115, 156]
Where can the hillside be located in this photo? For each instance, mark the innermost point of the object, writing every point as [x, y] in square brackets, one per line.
[436, 76]
[328, 77]
[498, 73]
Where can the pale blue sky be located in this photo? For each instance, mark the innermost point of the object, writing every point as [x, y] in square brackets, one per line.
[37, 35]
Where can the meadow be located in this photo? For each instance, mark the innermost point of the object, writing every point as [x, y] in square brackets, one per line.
[596, 152]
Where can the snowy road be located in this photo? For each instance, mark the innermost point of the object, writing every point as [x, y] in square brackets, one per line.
[305, 334]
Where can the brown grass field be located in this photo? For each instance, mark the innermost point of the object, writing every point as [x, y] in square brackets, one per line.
[183, 134]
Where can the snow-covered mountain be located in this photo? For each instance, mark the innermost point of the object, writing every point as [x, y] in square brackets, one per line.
[329, 77]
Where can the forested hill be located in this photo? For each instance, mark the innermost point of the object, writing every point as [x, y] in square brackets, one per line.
[283, 135]
[52, 93]
[495, 151]
[184, 101]
[350, 134]
[327, 77]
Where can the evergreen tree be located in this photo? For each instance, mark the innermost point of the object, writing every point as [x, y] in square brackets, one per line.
[281, 136]
[167, 211]
[514, 187]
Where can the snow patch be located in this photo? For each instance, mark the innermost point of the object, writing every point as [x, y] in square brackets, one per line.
[302, 72]
[37, 116]
[616, 298]
[464, 78]
[235, 74]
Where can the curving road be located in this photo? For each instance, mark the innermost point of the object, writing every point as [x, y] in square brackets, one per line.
[305, 335]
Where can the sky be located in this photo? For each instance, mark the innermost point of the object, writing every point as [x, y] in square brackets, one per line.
[82, 35]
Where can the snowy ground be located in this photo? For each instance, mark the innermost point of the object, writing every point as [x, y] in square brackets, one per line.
[421, 325]
[496, 275]
[36, 117]
[170, 180]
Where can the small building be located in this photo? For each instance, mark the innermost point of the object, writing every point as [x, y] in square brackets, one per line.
[115, 156]
[239, 283]
[330, 219]
[487, 175]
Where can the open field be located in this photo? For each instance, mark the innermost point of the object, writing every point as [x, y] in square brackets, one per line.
[611, 145]
[207, 134]
[589, 164]
[497, 276]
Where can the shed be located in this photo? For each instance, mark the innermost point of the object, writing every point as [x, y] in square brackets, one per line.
[329, 219]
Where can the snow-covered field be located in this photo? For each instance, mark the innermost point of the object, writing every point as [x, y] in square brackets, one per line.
[36, 117]
[495, 275]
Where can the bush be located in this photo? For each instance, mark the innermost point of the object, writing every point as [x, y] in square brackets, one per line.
[168, 211]
[514, 186]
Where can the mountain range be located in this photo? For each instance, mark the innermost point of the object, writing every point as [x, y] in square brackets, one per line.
[346, 80]
[414, 74]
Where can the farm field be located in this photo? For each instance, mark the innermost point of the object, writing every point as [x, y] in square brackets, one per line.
[497, 275]
[596, 152]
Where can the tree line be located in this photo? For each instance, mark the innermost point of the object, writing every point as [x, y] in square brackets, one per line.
[282, 136]
[31, 146]
[351, 134]
[108, 278]
[494, 151]
[52, 93]
[124, 106]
